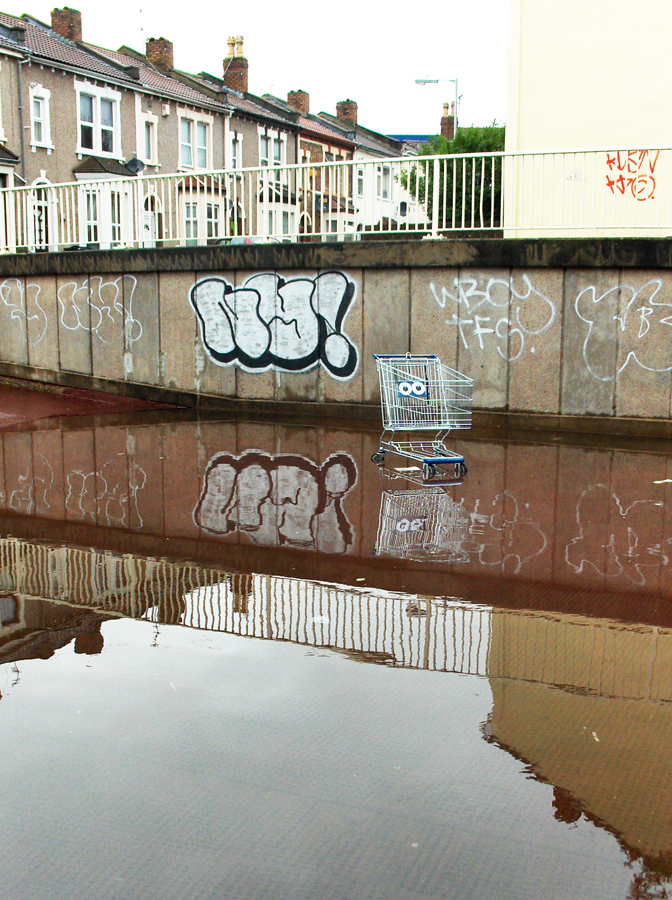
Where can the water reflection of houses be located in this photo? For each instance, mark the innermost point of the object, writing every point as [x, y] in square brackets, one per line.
[586, 705]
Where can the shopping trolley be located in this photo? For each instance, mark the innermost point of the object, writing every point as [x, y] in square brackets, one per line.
[421, 525]
[420, 394]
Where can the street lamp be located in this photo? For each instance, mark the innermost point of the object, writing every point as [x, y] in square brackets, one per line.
[436, 81]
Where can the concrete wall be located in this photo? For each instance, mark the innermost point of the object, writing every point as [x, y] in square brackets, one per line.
[588, 75]
[582, 76]
[570, 328]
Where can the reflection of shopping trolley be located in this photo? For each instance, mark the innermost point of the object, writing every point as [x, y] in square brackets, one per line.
[419, 394]
[421, 525]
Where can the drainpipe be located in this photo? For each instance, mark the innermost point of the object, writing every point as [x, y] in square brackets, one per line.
[22, 62]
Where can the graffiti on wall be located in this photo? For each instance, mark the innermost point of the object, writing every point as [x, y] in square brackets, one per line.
[98, 303]
[632, 172]
[641, 325]
[506, 314]
[271, 323]
[284, 500]
[22, 302]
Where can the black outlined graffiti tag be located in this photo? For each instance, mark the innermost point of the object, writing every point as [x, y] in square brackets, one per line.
[273, 323]
[284, 500]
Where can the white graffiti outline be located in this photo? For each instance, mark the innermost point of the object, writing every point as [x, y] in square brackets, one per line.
[79, 491]
[19, 311]
[629, 563]
[651, 289]
[74, 299]
[468, 297]
[509, 523]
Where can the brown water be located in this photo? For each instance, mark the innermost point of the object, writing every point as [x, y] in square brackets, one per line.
[237, 660]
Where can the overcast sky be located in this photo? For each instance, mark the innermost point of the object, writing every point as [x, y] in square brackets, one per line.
[360, 50]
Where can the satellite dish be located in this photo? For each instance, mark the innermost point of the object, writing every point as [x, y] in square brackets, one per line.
[135, 165]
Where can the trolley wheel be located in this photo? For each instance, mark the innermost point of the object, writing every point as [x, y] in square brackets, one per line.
[428, 470]
[378, 458]
[460, 469]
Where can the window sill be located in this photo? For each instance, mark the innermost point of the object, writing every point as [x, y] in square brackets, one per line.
[82, 151]
[34, 146]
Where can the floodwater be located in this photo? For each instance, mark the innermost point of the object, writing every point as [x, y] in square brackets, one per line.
[237, 660]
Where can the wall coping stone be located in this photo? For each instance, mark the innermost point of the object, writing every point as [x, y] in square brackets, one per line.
[542, 253]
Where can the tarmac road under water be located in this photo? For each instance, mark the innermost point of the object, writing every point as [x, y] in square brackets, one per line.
[239, 660]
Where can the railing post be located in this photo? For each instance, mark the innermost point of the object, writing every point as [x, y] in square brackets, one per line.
[436, 177]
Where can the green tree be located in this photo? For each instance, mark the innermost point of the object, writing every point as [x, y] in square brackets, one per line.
[470, 187]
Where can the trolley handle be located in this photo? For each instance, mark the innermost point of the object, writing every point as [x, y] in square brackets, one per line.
[402, 356]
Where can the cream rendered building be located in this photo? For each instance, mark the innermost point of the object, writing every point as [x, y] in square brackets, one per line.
[590, 76]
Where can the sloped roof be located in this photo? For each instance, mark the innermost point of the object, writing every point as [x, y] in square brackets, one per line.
[8, 158]
[381, 144]
[245, 103]
[312, 124]
[94, 165]
[45, 44]
[160, 82]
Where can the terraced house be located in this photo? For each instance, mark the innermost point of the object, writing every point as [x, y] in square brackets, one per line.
[74, 113]
[110, 148]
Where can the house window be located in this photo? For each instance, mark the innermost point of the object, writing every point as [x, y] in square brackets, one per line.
[201, 145]
[115, 216]
[383, 182]
[277, 152]
[150, 130]
[212, 220]
[360, 181]
[191, 221]
[264, 150]
[40, 128]
[99, 130]
[236, 150]
[91, 217]
[186, 138]
[194, 143]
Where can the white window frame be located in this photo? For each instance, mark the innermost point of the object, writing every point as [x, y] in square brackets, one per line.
[143, 119]
[99, 93]
[236, 146]
[3, 137]
[273, 136]
[41, 94]
[383, 172]
[196, 118]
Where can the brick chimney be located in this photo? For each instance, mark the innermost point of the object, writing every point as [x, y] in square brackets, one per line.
[448, 122]
[67, 22]
[235, 66]
[160, 53]
[346, 113]
[299, 100]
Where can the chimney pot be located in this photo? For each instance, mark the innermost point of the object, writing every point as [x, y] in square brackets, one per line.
[346, 112]
[235, 66]
[67, 22]
[299, 100]
[160, 53]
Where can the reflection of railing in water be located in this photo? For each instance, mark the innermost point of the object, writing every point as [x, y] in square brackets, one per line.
[599, 657]
[386, 628]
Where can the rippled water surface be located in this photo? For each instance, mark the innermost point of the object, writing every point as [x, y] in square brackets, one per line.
[237, 660]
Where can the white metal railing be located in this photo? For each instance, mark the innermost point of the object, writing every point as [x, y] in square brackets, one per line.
[584, 192]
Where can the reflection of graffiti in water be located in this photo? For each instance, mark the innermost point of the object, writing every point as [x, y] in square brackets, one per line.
[505, 536]
[614, 538]
[103, 497]
[279, 500]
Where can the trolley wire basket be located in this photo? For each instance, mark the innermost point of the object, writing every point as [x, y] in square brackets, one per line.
[421, 525]
[422, 401]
